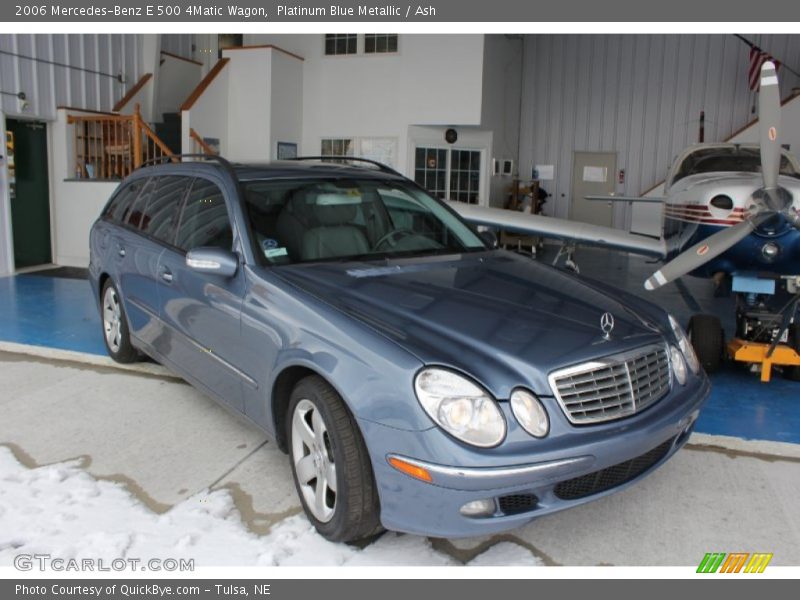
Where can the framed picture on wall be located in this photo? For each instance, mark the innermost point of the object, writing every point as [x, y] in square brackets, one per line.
[286, 150]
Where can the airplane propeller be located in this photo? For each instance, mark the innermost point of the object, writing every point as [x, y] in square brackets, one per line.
[770, 200]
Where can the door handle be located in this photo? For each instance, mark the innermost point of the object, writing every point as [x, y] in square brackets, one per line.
[166, 276]
[121, 251]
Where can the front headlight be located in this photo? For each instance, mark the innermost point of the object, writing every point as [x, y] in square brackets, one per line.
[460, 407]
[685, 344]
[678, 364]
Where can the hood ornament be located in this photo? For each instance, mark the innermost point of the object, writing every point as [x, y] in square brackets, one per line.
[607, 325]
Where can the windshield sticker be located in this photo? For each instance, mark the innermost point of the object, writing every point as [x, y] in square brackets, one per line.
[275, 252]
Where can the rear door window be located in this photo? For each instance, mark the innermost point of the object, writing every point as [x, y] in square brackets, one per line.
[160, 217]
[121, 203]
[204, 220]
[132, 216]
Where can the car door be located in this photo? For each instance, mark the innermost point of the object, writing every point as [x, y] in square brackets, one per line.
[135, 259]
[200, 311]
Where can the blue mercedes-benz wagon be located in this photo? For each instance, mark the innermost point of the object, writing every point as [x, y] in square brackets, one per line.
[420, 379]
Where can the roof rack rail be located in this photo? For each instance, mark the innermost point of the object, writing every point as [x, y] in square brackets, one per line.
[224, 162]
[333, 158]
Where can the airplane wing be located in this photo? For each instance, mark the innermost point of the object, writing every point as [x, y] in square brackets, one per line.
[650, 199]
[550, 227]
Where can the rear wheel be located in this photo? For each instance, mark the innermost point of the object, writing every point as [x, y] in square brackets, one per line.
[331, 468]
[708, 340]
[115, 326]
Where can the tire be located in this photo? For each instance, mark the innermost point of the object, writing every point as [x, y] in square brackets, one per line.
[708, 340]
[114, 322]
[324, 442]
[793, 373]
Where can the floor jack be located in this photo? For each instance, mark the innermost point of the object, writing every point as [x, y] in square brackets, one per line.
[767, 327]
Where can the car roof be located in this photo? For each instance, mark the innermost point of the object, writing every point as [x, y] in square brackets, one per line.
[278, 169]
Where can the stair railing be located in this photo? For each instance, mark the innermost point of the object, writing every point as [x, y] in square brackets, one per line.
[200, 145]
[113, 146]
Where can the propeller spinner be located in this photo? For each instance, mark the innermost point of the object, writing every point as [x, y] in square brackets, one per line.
[768, 201]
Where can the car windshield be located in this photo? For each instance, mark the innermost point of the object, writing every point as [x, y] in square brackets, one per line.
[350, 219]
[733, 159]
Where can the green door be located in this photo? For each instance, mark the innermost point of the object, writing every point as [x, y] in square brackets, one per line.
[30, 192]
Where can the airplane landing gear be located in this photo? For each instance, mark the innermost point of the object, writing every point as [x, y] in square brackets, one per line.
[767, 331]
[708, 340]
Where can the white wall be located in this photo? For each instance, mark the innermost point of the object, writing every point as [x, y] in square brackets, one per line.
[286, 108]
[209, 115]
[144, 97]
[248, 104]
[74, 204]
[252, 104]
[637, 95]
[176, 79]
[431, 80]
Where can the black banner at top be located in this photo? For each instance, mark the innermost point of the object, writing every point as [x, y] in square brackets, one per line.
[321, 11]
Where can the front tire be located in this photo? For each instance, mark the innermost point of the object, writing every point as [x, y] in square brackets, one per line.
[115, 326]
[330, 464]
[708, 340]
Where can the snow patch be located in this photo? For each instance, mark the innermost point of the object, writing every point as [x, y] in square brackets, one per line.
[63, 511]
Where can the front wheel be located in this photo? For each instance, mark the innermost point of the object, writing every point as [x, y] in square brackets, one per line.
[115, 326]
[331, 468]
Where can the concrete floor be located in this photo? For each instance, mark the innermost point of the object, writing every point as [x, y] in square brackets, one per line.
[166, 441]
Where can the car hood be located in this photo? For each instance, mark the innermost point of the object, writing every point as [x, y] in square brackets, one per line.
[501, 317]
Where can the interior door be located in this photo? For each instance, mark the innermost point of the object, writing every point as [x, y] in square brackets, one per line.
[593, 174]
[26, 143]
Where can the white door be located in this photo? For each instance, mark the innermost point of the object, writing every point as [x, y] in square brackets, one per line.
[593, 174]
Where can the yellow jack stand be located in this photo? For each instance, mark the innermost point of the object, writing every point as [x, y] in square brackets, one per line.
[754, 352]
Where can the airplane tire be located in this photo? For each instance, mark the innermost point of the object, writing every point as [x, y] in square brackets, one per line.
[708, 339]
[793, 373]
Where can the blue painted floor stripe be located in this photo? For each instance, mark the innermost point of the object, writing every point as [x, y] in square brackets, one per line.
[50, 311]
[61, 313]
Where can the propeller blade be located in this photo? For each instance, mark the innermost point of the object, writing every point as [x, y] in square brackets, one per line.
[704, 251]
[769, 123]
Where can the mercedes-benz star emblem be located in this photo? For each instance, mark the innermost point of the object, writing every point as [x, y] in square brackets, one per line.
[607, 325]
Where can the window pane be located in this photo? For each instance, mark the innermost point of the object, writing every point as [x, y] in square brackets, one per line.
[133, 216]
[204, 220]
[341, 43]
[161, 214]
[375, 43]
[121, 204]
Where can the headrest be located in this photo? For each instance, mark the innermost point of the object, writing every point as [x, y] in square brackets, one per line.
[331, 215]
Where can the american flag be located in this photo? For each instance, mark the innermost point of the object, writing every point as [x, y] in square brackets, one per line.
[757, 58]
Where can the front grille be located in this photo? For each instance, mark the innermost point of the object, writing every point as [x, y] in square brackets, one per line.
[613, 387]
[517, 503]
[605, 479]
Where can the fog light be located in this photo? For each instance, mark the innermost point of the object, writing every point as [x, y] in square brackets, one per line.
[678, 365]
[478, 508]
[770, 251]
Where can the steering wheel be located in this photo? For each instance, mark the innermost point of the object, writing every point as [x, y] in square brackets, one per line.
[387, 238]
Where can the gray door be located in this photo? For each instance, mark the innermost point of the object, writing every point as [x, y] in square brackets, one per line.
[593, 174]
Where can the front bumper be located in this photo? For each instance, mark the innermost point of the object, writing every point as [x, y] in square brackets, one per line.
[640, 444]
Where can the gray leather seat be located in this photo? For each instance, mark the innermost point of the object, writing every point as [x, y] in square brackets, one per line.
[336, 235]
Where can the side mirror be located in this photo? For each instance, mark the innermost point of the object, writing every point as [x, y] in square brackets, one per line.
[489, 237]
[214, 261]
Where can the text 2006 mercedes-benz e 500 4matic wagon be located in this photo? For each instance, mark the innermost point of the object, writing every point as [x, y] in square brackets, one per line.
[419, 379]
